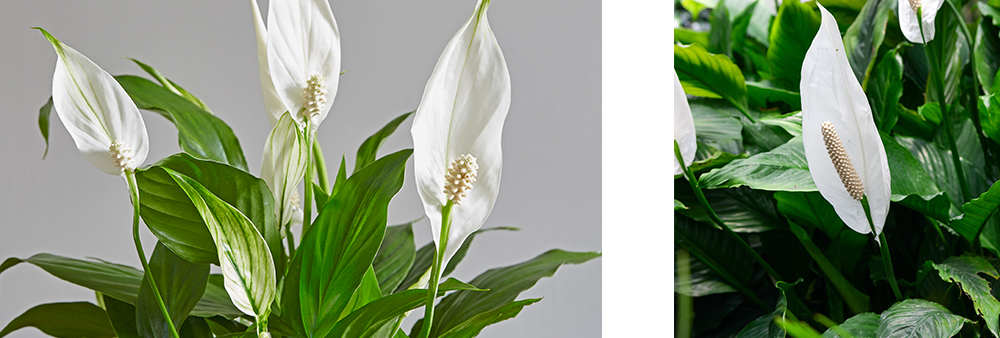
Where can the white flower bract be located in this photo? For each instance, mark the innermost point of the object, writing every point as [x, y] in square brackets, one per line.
[910, 24]
[684, 132]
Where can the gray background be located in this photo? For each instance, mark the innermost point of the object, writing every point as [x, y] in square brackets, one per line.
[551, 186]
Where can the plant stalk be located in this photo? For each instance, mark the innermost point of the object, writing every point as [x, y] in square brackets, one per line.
[884, 246]
[715, 218]
[133, 190]
[307, 181]
[432, 286]
[685, 305]
[324, 178]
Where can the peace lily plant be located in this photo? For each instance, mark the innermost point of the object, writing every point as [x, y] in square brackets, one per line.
[347, 274]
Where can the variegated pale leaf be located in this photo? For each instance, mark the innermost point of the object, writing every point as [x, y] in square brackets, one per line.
[284, 164]
[684, 132]
[831, 92]
[462, 112]
[243, 255]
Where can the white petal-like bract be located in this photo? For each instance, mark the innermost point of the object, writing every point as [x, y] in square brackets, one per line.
[272, 103]
[909, 24]
[831, 92]
[462, 112]
[684, 132]
[284, 164]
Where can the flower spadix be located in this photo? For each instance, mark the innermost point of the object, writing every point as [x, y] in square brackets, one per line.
[684, 132]
[100, 116]
[845, 153]
[457, 126]
[299, 57]
[909, 23]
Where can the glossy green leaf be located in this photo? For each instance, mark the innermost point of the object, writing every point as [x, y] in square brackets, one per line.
[855, 299]
[964, 271]
[369, 318]
[678, 205]
[703, 281]
[341, 244]
[766, 326]
[368, 151]
[791, 34]
[937, 162]
[418, 275]
[366, 292]
[216, 300]
[810, 209]
[865, 35]
[64, 320]
[708, 158]
[953, 51]
[181, 284]
[989, 115]
[922, 123]
[43, 123]
[782, 169]
[716, 126]
[122, 317]
[690, 37]
[760, 22]
[710, 75]
[721, 34]
[760, 93]
[195, 327]
[911, 185]
[742, 209]
[395, 257]
[504, 285]
[885, 88]
[797, 329]
[199, 132]
[172, 217]
[862, 325]
[918, 318]
[472, 326]
[171, 86]
[246, 260]
[976, 214]
[986, 50]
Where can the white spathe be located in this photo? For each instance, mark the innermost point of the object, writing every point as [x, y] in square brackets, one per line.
[831, 92]
[909, 23]
[302, 41]
[272, 104]
[684, 132]
[96, 111]
[284, 165]
[462, 112]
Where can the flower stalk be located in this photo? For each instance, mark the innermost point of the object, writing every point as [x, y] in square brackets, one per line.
[432, 287]
[884, 246]
[133, 190]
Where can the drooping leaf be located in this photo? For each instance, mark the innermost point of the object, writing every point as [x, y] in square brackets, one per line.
[742, 209]
[964, 271]
[64, 320]
[418, 275]
[171, 86]
[791, 34]
[781, 169]
[245, 258]
[199, 132]
[395, 257]
[865, 35]
[862, 325]
[710, 75]
[368, 151]
[180, 283]
[918, 318]
[472, 326]
[43, 123]
[343, 241]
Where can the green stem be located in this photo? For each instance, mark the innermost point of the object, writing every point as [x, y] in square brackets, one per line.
[884, 246]
[291, 241]
[324, 178]
[133, 190]
[948, 128]
[715, 218]
[436, 270]
[262, 327]
[685, 306]
[395, 327]
[307, 181]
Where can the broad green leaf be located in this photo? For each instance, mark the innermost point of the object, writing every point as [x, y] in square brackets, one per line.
[782, 169]
[911, 185]
[762, 137]
[199, 132]
[341, 244]
[987, 49]
[760, 21]
[122, 317]
[395, 257]
[716, 126]
[796, 328]
[791, 34]
[690, 37]
[965, 271]
[195, 327]
[953, 51]
[760, 93]
[216, 302]
[171, 86]
[742, 209]
[740, 16]
[885, 88]
[341, 178]
[989, 116]
[678, 205]
[707, 158]
[368, 151]
[64, 320]
[369, 318]
[710, 75]
[43, 123]
[856, 300]
[504, 285]
[246, 260]
[703, 281]
[472, 326]
[937, 163]
[696, 6]
[848, 5]
[922, 123]
[810, 209]
[860, 326]
[181, 284]
[865, 35]
[367, 292]
[721, 34]
[976, 213]
[173, 218]
[918, 318]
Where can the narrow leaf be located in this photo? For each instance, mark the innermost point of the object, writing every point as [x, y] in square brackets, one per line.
[43, 123]
[395, 257]
[180, 283]
[708, 75]
[368, 151]
[64, 320]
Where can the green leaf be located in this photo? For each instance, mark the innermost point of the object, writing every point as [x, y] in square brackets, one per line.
[791, 34]
[885, 88]
[369, 318]
[464, 249]
[918, 318]
[811, 209]
[199, 132]
[395, 257]
[341, 178]
[216, 301]
[246, 260]
[937, 163]
[742, 209]
[989, 116]
[760, 93]
[965, 271]
[797, 329]
[953, 51]
[976, 213]
[171, 86]
[122, 317]
[43, 123]
[760, 21]
[195, 327]
[690, 37]
[865, 35]
[678, 205]
[368, 151]
[862, 325]
[986, 50]
[472, 326]
[64, 320]
[716, 127]
[911, 185]
[181, 284]
[703, 281]
[721, 35]
[173, 218]
[708, 158]
[856, 300]
[366, 292]
[341, 244]
[710, 75]
[782, 169]
[504, 285]
[921, 123]
[424, 257]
